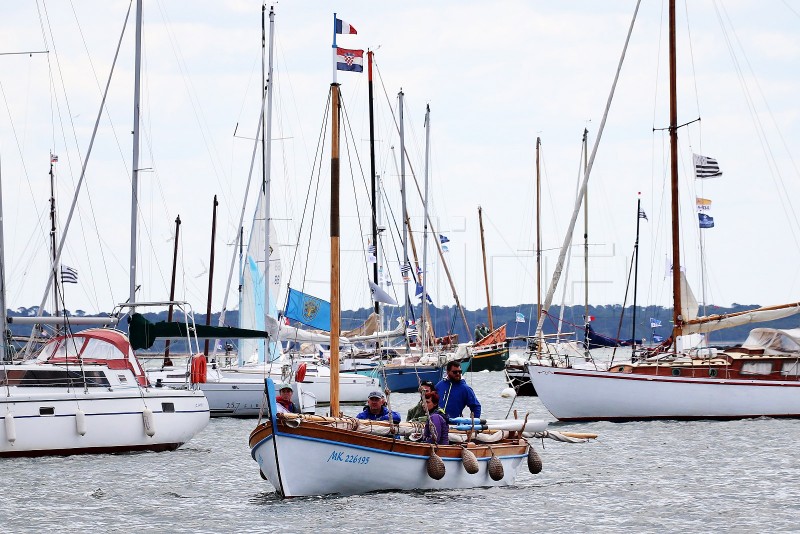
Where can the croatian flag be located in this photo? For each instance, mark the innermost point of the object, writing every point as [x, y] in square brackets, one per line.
[344, 28]
[352, 60]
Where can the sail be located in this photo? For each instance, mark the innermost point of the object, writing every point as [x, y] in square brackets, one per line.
[758, 315]
[252, 312]
[689, 307]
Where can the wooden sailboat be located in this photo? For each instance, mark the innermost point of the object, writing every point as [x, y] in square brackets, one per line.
[759, 378]
[304, 456]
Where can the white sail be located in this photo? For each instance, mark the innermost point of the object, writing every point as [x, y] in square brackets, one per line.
[252, 314]
[758, 315]
[689, 307]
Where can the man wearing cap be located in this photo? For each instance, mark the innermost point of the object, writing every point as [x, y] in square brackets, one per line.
[376, 409]
[455, 394]
[284, 399]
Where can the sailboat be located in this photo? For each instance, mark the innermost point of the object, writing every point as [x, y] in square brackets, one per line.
[674, 380]
[303, 456]
[86, 392]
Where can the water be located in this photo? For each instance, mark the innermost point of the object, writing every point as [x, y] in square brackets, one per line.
[739, 476]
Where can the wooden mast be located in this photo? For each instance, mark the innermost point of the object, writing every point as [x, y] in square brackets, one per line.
[335, 305]
[373, 177]
[673, 142]
[485, 272]
[538, 235]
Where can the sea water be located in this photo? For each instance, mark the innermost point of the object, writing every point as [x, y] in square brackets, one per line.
[657, 476]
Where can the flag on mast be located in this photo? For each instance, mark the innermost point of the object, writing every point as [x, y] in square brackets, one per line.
[351, 60]
[705, 167]
[703, 209]
[343, 27]
[68, 275]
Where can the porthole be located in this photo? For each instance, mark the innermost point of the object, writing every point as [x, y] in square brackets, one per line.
[712, 372]
[676, 372]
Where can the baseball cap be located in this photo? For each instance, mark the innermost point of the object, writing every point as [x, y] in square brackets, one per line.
[376, 395]
[285, 386]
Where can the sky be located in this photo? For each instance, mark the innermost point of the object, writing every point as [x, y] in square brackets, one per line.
[495, 75]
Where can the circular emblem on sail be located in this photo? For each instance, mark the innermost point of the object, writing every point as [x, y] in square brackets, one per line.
[310, 309]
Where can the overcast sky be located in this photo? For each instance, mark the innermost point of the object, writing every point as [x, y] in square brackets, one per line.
[496, 75]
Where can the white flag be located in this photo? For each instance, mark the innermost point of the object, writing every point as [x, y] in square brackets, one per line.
[379, 295]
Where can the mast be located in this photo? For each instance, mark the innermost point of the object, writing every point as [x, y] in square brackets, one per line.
[485, 272]
[172, 283]
[538, 234]
[266, 147]
[5, 355]
[586, 246]
[56, 285]
[137, 82]
[425, 318]
[636, 269]
[335, 305]
[373, 177]
[406, 263]
[211, 271]
[673, 152]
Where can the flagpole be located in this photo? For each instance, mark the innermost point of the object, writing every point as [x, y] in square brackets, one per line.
[334, 48]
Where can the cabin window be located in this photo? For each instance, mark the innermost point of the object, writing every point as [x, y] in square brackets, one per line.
[791, 368]
[98, 349]
[122, 379]
[712, 372]
[756, 368]
[47, 410]
[52, 378]
[676, 372]
[168, 407]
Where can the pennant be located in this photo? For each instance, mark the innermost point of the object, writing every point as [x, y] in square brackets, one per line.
[379, 295]
[642, 214]
[308, 310]
[352, 60]
[654, 323]
[705, 167]
[68, 275]
[420, 291]
[443, 239]
[344, 28]
[703, 204]
[520, 318]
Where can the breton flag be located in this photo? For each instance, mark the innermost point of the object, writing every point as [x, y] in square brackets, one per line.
[404, 270]
[654, 323]
[352, 60]
[344, 28]
[520, 318]
[705, 167]
[69, 275]
[642, 214]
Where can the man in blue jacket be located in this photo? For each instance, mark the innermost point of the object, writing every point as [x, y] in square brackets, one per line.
[455, 394]
[376, 409]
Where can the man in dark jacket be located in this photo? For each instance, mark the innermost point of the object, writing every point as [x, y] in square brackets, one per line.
[376, 409]
[455, 394]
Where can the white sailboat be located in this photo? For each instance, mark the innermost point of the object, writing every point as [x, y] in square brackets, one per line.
[675, 380]
[87, 392]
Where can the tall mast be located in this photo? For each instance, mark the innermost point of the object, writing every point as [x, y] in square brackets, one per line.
[211, 271]
[673, 145]
[406, 264]
[538, 235]
[6, 352]
[53, 230]
[636, 269]
[373, 177]
[137, 83]
[335, 305]
[425, 318]
[485, 271]
[586, 246]
[172, 283]
[266, 146]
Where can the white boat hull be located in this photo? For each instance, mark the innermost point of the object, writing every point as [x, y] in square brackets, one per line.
[320, 467]
[46, 422]
[587, 395]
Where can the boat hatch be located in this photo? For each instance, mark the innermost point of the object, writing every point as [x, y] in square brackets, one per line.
[47, 410]
[168, 407]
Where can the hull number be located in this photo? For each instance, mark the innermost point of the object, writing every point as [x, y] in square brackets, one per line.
[339, 456]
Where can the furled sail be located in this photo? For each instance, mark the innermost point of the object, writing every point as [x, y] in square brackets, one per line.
[712, 323]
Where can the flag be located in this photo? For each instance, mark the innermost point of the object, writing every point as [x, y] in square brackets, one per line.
[352, 60]
[705, 167]
[590, 318]
[443, 239]
[53, 158]
[404, 270]
[68, 275]
[703, 204]
[445, 248]
[344, 28]
[520, 318]
[308, 310]
[706, 220]
[379, 295]
[371, 249]
[668, 268]
[642, 214]
[657, 338]
[411, 327]
[654, 323]
[420, 291]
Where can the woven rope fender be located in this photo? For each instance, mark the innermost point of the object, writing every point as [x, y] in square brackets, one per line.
[495, 467]
[435, 465]
[469, 461]
[534, 461]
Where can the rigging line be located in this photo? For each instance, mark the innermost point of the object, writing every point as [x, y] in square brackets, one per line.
[318, 166]
[765, 147]
[691, 56]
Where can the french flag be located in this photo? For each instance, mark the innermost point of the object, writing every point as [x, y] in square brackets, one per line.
[352, 60]
[343, 27]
